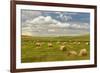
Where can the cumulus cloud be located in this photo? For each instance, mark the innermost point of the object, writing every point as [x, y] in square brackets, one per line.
[80, 26]
[29, 14]
[51, 30]
[49, 21]
[43, 20]
[46, 25]
[64, 17]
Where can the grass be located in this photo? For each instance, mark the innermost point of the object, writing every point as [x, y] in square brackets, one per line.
[31, 53]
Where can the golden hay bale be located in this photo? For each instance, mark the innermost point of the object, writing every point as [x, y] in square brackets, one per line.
[63, 48]
[38, 44]
[87, 43]
[72, 53]
[64, 43]
[79, 43]
[83, 52]
[50, 45]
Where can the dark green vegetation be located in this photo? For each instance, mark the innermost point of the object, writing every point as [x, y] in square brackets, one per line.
[41, 52]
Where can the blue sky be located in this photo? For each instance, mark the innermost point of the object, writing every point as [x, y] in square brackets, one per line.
[48, 23]
[76, 16]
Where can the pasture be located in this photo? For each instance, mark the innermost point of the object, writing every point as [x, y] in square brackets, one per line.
[36, 49]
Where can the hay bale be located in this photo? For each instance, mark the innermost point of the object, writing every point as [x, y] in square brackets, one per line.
[50, 44]
[63, 48]
[83, 52]
[72, 53]
[38, 44]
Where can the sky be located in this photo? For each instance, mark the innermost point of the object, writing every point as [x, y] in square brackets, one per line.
[54, 23]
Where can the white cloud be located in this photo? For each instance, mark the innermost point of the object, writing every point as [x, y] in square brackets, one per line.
[58, 12]
[51, 30]
[64, 17]
[46, 25]
[29, 14]
[49, 21]
[63, 24]
[80, 26]
[43, 20]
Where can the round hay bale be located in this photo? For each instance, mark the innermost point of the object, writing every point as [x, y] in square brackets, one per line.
[83, 52]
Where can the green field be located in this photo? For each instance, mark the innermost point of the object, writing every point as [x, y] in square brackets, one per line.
[30, 52]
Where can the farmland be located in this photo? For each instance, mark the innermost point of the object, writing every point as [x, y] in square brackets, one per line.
[30, 52]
